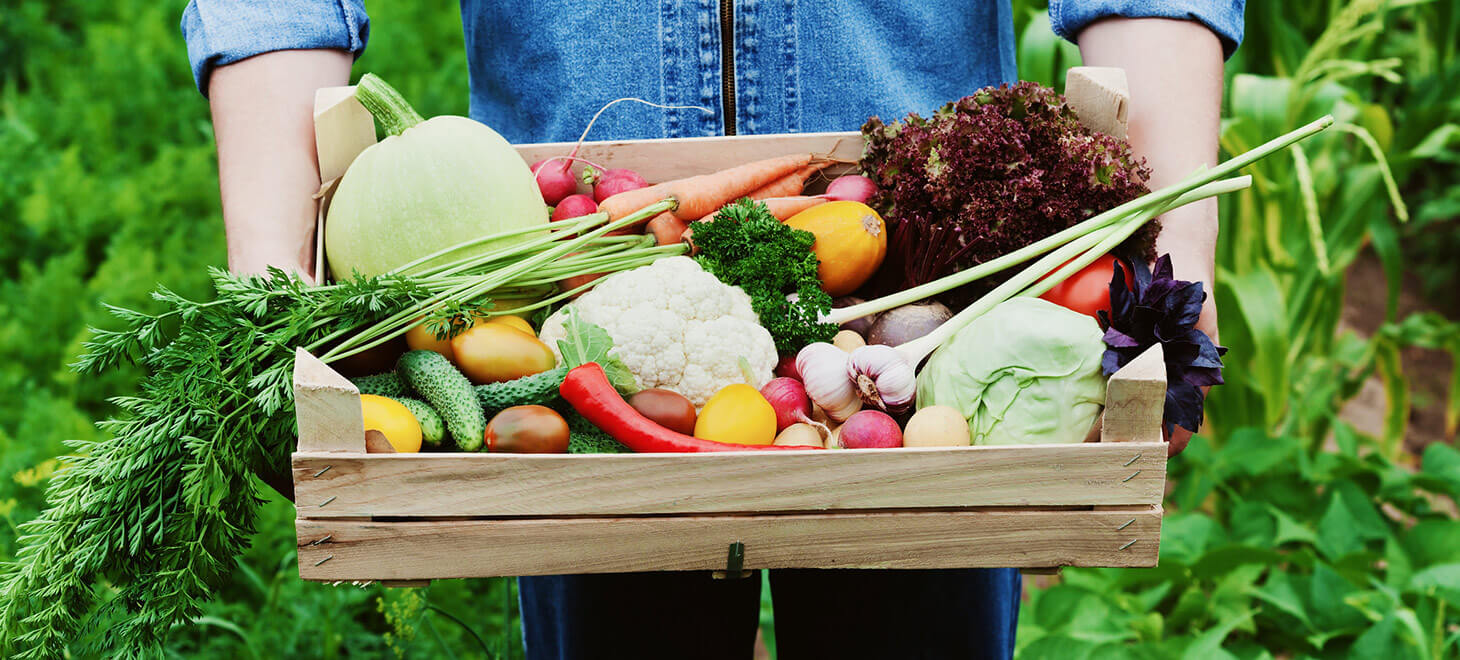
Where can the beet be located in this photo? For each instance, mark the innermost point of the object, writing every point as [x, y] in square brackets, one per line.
[900, 325]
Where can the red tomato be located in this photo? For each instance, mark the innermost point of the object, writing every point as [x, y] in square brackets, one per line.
[1088, 291]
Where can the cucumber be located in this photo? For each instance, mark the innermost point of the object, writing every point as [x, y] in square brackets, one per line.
[388, 384]
[537, 389]
[447, 391]
[433, 430]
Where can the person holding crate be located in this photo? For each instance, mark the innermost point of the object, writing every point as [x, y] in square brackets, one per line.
[539, 69]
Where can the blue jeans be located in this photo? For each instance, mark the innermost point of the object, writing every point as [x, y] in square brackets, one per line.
[843, 614]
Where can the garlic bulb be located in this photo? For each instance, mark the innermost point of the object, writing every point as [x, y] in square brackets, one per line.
[882, 377]
[823, 370]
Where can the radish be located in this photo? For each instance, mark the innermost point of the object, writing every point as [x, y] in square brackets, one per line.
[615, 181]
[851, 188]
[554, 181]
[574, 206]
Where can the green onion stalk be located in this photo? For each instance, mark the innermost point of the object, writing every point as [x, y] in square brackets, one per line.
[539, 261]
[1069, 250]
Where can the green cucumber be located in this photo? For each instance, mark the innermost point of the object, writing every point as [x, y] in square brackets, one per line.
[449, 392]
[388, 384]
[538, 389]
[433, 430]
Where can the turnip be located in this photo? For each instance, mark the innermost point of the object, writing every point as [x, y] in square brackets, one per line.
[903, 324]
[574, 206]
[851, 188]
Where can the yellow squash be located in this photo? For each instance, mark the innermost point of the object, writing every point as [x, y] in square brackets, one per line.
[851, 241]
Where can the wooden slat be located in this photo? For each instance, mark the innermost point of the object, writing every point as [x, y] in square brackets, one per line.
[1101, 98]
[1135, 400]
[327, 408]
[665, 159]
[486, 548]
[616, 484]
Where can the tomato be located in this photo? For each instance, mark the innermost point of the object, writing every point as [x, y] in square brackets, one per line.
[494, 352]
[516, 322]
[669, 409]
[1088, 290]
[421, 339]
[527, 430]
[393, 420]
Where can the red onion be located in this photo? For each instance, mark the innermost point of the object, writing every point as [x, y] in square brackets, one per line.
[852, 187]
[786, 366]
[870, 429]
[788, 398]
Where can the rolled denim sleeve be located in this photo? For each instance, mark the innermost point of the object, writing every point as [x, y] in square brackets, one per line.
[220, 32]
[1223, 17]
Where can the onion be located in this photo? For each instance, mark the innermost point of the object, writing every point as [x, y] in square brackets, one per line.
[786, 366]
[852, 188]
[788, 397]
[870, 429]
[900, 325]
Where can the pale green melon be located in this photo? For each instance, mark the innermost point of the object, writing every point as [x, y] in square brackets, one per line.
[428, 186]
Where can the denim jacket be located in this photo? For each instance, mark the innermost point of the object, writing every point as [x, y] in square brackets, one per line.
[540, 68]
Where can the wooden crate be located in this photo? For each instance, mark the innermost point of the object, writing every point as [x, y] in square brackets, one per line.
[405, 518]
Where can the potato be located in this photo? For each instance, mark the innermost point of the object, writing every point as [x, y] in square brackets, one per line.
[937, 426]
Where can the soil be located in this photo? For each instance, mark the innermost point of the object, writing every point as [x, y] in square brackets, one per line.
[1427, 371]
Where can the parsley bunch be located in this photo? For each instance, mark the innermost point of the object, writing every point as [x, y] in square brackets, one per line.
[746, 246]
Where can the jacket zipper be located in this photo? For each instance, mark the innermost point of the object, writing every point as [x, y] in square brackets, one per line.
[727, 64]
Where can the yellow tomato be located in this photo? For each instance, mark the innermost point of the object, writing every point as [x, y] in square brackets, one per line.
[494, 352]
[421, 339]
[516, 322]
[737, 414]
[393, 420]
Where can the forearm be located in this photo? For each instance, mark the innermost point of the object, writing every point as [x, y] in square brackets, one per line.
[263, 123]
[1174, 69]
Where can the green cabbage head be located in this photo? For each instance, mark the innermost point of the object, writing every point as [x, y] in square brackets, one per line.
[1027, 372]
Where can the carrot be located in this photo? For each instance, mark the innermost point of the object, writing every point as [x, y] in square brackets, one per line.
[789, 185]
[781, 207]
[666, 228]
[704, 194]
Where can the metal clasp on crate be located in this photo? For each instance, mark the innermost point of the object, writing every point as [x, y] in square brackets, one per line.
[734, 564]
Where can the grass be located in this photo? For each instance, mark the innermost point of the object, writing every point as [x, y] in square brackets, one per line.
[1289, 534]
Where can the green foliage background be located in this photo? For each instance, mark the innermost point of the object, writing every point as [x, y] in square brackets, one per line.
[1288, 533]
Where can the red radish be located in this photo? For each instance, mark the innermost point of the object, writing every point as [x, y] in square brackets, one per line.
[870, 429]
[616, 181]
[554, 180]
[574, 206]
[852, 188]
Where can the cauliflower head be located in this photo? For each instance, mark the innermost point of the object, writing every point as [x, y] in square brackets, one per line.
[676, 327]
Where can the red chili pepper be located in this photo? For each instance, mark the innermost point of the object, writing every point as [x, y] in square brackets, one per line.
[587, 389]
